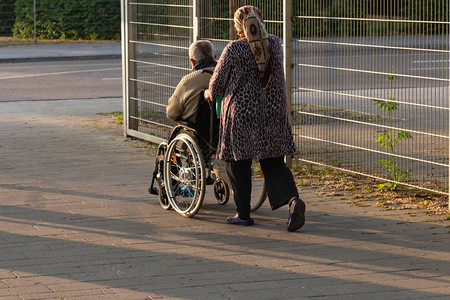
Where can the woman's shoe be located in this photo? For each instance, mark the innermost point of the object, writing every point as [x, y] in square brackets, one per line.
[238, 221]
[296, 214]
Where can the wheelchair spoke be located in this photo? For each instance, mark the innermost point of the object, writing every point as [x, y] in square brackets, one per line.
[184, 173]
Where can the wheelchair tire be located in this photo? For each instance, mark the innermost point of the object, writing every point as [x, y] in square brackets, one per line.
[221, 191]
[159, 162]
[163, 199]
[259, 190]
[184, 175]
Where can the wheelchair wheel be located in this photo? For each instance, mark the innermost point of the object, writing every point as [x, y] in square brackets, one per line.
[163, 199]
[221, 191]
[259, 191]
[184, 175]
[159, 162]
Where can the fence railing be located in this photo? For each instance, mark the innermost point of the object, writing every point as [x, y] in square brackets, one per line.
[371, 90]
[369, 85]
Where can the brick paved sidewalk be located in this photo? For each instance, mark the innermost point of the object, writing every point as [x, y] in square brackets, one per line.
[77, 223]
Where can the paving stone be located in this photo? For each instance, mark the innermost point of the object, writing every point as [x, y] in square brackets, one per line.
[77, 222]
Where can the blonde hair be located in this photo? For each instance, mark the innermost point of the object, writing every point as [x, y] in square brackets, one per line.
[201, 50]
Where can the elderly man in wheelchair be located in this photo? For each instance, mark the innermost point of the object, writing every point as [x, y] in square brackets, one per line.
[183, 165]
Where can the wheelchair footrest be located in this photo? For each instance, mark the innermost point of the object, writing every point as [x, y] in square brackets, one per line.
[153, 191]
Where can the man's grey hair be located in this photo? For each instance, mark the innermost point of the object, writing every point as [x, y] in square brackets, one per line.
[201, 51]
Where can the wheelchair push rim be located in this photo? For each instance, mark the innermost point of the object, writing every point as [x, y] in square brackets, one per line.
[184, 175]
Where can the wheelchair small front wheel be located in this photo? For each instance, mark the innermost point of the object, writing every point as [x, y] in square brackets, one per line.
[221, 191]
[163, 199]
[159, 163]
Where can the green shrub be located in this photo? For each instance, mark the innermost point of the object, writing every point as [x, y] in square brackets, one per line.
[6, 17]
[69, 19]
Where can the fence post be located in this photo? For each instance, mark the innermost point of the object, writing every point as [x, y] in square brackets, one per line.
[287, 56]
[124, 42]
[132, 123]
[194, 22]
[34, 13]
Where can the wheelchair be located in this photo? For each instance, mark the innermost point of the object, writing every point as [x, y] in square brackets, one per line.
[184, 166]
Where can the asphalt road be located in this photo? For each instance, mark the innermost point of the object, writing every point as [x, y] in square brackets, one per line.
[60, 80]
[93, 79]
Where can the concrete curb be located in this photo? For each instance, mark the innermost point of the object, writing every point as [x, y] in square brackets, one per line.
[59, 58]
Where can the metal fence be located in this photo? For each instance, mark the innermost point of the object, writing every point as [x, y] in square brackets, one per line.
[60, 19]
[372, 89]
[158, 34]
[369, 79]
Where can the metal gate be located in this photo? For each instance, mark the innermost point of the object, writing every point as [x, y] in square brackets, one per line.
[157, 35]
[369, 80]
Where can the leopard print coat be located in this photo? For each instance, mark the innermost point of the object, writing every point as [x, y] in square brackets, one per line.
[254, 120]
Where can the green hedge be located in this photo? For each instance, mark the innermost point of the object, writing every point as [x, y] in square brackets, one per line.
[69, 19]
[100, 19]
[6, 17]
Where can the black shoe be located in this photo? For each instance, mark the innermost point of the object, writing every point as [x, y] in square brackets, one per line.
[296, 214]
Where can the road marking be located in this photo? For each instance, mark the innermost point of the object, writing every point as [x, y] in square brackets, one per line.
[430, 61]
[15, 67]
[59, 73]
[112, 78]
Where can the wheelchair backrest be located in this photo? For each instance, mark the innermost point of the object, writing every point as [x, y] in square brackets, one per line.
[206, 121]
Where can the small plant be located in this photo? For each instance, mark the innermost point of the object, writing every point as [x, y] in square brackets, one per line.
[119, 116]
[335, 162]
[388, 141]
[308, 168]
[297, 168]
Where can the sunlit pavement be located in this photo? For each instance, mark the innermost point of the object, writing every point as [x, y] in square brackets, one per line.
[77, 223]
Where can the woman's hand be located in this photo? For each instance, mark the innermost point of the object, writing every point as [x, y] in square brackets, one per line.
[208, 95]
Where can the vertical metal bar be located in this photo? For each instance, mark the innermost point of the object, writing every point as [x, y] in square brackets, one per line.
[448, 111]
[132, 69]
[194, 22]
[124, 41]
[287, 56]
[34, 13]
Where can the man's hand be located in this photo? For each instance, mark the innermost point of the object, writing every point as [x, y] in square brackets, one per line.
[208, 95]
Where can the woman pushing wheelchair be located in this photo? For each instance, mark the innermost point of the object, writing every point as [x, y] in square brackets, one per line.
[254, 120]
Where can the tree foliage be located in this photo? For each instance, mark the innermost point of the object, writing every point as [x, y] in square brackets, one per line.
[100, 19]
[72, 19]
